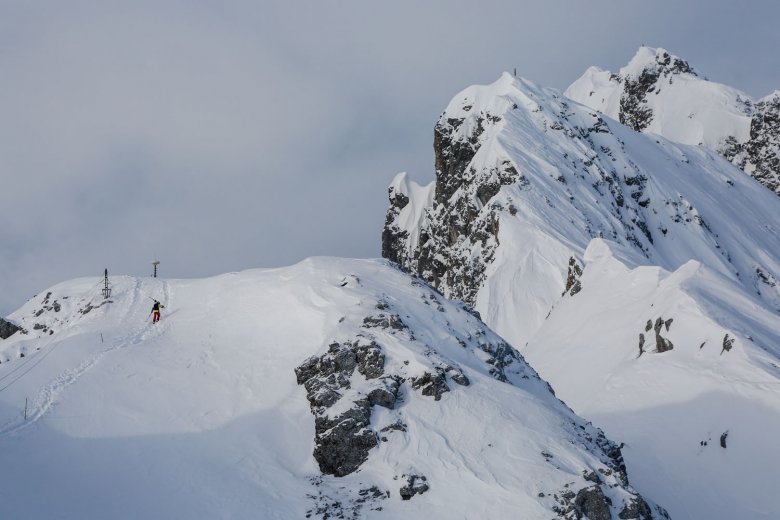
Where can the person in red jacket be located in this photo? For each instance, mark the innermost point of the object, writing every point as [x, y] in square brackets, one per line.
[156, 311]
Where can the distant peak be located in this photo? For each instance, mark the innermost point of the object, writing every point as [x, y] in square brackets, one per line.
[658, 60]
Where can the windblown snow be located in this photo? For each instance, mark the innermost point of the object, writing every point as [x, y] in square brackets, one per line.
[216, 411]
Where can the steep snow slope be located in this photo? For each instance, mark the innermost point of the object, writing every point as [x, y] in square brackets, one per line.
[683, 365]
[660, 93]
[526, 180]
[205, 414]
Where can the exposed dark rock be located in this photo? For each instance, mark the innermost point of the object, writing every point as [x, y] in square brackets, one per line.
[634, 111]
[385, 395]
[431, 385]
[723, 437]
[7, 329]
[641, 344]
[637, 509]
[415, 485]
[662, 344]
[342, 442]
[592, 503]
[396, 426]
[591, 476]
[466, 307]
[502, 356]
[762, 150]
[370, 360]
[461, 194]
[573, 285]
[457, 375]
[393, 238]
[727, 344]
[89, 307]
[384, 321]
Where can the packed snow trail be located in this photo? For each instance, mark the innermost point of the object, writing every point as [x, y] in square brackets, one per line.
[47, 396]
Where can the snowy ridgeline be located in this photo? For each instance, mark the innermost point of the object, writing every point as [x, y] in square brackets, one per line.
[330, 389]
[640, 276]
[659, 93]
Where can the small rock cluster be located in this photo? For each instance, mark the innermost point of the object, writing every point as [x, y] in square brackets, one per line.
[662, 344]
[415, 485]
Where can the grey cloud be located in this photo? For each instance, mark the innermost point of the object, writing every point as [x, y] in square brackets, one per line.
[221, 136]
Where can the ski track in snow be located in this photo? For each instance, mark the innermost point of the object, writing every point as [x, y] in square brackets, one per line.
[47, 397]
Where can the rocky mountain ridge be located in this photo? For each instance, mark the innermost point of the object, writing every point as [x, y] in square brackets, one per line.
[661, 93]
[540, 205]
[334, 388]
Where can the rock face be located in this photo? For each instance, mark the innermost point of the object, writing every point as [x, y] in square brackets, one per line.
[661, 93]
[763, 149]
[592, 503]
[7, 329]
[343, 439]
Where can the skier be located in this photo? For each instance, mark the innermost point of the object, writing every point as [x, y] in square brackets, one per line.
[156, 311]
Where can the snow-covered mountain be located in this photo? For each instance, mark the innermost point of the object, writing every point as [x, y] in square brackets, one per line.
[639, 275]
[329, 389]
[660, 93]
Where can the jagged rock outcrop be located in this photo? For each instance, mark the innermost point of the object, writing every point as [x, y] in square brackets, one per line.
[7, 329]
[525, 179]
[634, 111]
[415, 485]
[573, 284]
[344, 439]
[592, 503]
[662, 344]
[763, 148]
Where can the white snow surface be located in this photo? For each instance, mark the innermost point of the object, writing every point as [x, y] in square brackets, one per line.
[666, 405]
[713, 266]
[200, 416]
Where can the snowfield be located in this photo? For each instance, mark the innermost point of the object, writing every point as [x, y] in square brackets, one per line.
[201, 415]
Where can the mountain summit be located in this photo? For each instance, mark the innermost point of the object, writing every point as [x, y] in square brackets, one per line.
[639, 275]
[660, 93]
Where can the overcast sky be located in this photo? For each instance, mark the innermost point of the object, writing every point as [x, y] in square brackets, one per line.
[220, 136]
